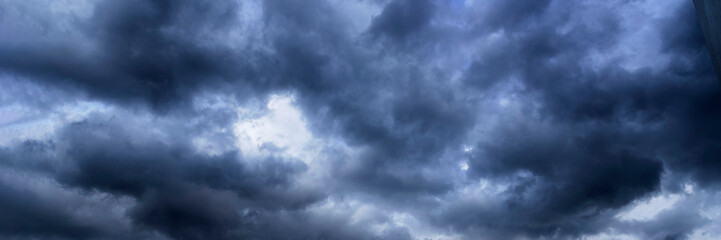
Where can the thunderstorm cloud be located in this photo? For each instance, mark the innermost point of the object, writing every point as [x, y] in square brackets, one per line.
[357, 119]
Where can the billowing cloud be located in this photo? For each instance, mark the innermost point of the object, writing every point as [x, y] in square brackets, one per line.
[360, 119]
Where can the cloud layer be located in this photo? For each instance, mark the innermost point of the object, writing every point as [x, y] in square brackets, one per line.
[358, 119]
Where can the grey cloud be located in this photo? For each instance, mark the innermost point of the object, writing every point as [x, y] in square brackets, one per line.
[146, 50]
[25, 214]
[400, 19]
[178, 192]
[577, 137]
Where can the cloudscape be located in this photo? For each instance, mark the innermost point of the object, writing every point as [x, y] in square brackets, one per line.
[357, 119]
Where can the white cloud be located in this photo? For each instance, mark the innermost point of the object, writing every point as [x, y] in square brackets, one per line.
[281, 130]
[646, 210]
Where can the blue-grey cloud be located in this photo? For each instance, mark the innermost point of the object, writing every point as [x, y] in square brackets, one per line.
[429, 119]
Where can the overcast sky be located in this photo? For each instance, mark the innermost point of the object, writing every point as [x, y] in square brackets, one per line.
[357, 119]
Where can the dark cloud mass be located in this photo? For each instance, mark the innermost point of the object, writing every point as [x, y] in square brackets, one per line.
[357, 119]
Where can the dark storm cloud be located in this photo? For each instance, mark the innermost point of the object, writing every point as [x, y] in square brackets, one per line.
[178, 192]
[24, 214]
[400, 19]
[145, 50]
[423, 125]
[132, 169]
[590, 161]
[560, 183]
[512, 14]
[576, 141]
[337, 79]
[668, 226]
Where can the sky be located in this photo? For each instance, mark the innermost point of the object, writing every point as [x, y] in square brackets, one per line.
[357, 119]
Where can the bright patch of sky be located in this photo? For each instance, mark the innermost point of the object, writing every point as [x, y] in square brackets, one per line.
[280, 130]
[646, 210]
